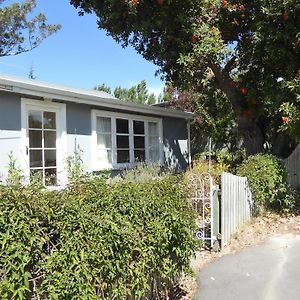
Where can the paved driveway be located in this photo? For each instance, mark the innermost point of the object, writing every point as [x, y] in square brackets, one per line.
[270, 271]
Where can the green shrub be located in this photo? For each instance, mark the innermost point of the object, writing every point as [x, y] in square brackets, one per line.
[268, 181]
[94, 240]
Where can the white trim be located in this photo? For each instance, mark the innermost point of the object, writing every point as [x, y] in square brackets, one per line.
[97, 166]
[51, 91]
[61, 141]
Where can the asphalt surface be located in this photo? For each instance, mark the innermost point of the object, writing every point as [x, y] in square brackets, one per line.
[270, 271]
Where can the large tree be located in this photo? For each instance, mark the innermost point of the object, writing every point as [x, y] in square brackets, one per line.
[138, 93]
[240, 51]
[19, 32]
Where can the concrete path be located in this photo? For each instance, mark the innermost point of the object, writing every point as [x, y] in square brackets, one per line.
[270, 271]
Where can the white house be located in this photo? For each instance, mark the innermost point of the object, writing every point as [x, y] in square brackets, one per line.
[42, 124]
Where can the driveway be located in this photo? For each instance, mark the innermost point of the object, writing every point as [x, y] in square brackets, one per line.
[270, 271]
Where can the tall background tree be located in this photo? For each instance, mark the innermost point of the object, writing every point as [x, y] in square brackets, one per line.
[229, 54]
[19, 31]
[138, 93]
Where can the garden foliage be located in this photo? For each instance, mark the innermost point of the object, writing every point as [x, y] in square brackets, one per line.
[94, 240]
[268, 182]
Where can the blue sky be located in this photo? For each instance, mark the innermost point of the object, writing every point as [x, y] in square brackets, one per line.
[80, 55]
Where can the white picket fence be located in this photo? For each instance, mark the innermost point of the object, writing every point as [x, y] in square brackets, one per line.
[293, 167]
[236, 203]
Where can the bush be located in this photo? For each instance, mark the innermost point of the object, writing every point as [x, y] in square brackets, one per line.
[268, 181]
[94, 240]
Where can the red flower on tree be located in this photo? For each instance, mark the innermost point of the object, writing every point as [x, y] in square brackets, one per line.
[195, 38]
[285, 120]
[244, 90]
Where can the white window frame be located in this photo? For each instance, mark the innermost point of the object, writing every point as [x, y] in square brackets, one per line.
[61, 138]
[97, 165]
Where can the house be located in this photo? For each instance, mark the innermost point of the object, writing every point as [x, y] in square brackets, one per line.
[43, 124]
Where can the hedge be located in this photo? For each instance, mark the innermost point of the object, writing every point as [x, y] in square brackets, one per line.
[94, 240]
[268, 182]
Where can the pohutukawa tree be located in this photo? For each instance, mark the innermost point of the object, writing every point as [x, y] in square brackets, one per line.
[236, 55]
[19, 32]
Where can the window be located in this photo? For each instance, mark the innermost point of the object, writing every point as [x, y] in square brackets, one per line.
[43, 140]
[124, 140]
[42, 145]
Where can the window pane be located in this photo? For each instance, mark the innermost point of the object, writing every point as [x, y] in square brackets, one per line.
[104, 156]
[103, 125]
[122, 126]
[36, 174]
[122, 141]
[35, 119]
[154, 154]
[104, 140]
[139, 142]
[153, 141]
[122, 156]
[50, 139]
[50, 177]
[153, 129]
[50, 158]
[49, 120]
[138, 127]
[36, 158]
[139, 155]
[35, 138]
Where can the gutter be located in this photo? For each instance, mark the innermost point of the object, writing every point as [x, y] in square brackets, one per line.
[35, 88]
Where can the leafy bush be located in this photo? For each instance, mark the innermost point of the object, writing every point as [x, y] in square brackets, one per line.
[141, 173]
[94, 240]
[268, 181]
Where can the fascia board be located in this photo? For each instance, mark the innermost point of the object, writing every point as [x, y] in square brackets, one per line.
[86, 97]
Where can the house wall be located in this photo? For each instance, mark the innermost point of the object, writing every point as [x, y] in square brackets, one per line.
[79, 132]
[78, 125]
[10, 130]
[176, 148]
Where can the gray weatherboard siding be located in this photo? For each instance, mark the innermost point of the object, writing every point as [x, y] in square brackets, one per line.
[10, 111]
[78, 122]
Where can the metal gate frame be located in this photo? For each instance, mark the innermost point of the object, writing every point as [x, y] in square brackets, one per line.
[206, 204]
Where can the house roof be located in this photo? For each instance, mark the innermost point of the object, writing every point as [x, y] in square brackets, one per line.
[30, 87]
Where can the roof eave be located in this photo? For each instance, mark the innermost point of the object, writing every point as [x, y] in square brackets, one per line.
[77, 97]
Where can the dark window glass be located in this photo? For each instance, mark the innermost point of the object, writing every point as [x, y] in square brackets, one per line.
[36, 158]
[50, 176]
[138, 127]
[139, 142]
[50, 139]
[139, 155]
[49, 120]
[122, 141]
[122, 126]
[35, 119]
[122, 156]
[50, 158]
[35, 138]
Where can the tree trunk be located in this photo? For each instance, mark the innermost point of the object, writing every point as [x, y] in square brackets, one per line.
[253, 137]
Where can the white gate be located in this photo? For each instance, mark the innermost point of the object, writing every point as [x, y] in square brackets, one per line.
[205, 204]
[236, 204]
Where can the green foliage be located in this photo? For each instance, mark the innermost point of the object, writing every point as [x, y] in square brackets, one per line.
[18, 33]
[14, 175]
[75, 166]
[230, 54]
[141, 173]
[137, 93]
[94, 240]
[268, 182]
